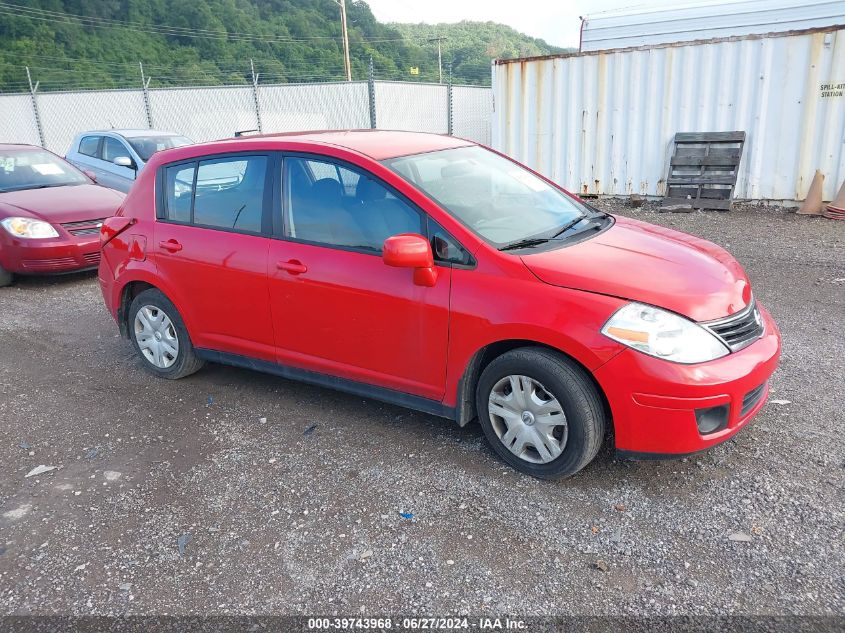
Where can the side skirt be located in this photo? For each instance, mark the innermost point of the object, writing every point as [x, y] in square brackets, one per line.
[364, 390]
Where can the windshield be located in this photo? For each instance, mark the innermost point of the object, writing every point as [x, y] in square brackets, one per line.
[498, 199]
[32, 168]
[146, 146]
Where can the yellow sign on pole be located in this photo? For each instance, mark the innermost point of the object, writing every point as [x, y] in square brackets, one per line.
[415, 70]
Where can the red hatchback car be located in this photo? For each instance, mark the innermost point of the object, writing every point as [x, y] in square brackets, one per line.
[50, 214]
[436, 274]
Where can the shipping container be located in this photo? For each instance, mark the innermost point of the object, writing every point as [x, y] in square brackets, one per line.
[624, 28]
[603, 122]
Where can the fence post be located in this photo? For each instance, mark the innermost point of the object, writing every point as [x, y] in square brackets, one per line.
[145, 83]
[255, 95]
[32, 91]
[371, 88]
[449, 102]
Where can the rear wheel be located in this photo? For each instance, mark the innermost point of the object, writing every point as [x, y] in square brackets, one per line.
[540, 412]
[5, 277]
[160, 337]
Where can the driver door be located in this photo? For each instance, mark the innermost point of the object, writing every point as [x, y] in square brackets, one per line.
[336, 307]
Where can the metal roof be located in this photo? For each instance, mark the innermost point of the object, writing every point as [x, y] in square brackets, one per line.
[704, 21]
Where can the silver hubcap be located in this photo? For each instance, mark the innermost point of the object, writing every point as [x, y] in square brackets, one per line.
[528, 419]
[156, 336]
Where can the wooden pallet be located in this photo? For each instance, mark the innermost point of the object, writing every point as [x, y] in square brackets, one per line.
[703, 170]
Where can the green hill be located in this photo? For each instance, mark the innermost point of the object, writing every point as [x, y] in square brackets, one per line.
[472, 45]
[72, 44]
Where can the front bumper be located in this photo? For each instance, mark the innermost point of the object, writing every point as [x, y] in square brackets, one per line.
[57, 255]
[653, 401]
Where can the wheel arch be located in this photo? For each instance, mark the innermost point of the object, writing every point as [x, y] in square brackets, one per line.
[465, 410]
[132, 289]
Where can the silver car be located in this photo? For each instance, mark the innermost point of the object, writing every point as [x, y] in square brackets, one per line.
[115, 157]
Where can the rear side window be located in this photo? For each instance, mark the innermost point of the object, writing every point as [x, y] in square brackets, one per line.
[89, 145]
[179, 187]
[230, 193]
[220, 193]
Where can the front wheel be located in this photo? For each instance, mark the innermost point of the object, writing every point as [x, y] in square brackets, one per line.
[540, 412]
[159, 336]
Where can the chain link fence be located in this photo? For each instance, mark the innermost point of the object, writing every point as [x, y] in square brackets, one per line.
[52, 119]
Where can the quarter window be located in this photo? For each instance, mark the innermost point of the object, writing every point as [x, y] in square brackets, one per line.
[89, 145]
[331, 204]
[446, 248]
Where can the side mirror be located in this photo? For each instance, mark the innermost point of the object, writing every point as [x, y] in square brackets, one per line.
[410, 250]
[90, 174]
[124, 161]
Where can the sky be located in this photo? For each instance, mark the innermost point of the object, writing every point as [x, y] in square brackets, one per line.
[555, 21]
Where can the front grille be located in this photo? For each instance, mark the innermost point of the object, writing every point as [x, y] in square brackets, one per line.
[738, 330]
[49, 264]
[92, 258]
[85, 227]
[751, 399]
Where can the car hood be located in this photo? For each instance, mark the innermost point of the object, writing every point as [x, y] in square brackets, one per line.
[651, 264]
[62, 204]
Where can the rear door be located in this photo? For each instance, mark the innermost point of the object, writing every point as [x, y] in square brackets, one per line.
[337, 308]
[211, 243]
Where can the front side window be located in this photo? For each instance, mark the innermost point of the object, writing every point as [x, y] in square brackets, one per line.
[501, 201]
[112, 148]
[328, 203]
[35, 169]
[222, 193]
[146, 146]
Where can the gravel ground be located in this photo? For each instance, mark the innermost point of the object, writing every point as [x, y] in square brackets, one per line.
[233, 492]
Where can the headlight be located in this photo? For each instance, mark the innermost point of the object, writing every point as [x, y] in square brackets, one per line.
[29, 228]
[663, 334]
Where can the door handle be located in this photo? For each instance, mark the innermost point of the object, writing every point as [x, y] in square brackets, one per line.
[293, 266]
[170, 245]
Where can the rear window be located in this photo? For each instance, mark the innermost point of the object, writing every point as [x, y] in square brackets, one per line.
[220, 193]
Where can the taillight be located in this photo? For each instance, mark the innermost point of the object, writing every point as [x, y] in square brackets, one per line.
[114, 226]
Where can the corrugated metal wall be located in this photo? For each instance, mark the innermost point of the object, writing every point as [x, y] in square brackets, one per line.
[622, 28]
[604, 122]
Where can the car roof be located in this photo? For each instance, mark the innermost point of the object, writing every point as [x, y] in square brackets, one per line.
[377, 144]
[130, 133]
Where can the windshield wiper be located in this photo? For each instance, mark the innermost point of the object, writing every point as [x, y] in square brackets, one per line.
[568, 226]
[527, 243]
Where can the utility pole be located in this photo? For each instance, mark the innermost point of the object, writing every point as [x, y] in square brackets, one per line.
[347, 65]
[439, 39]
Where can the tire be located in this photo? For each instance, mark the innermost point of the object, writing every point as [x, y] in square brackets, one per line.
[159, 336]
[562, 424]
[5, 277]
